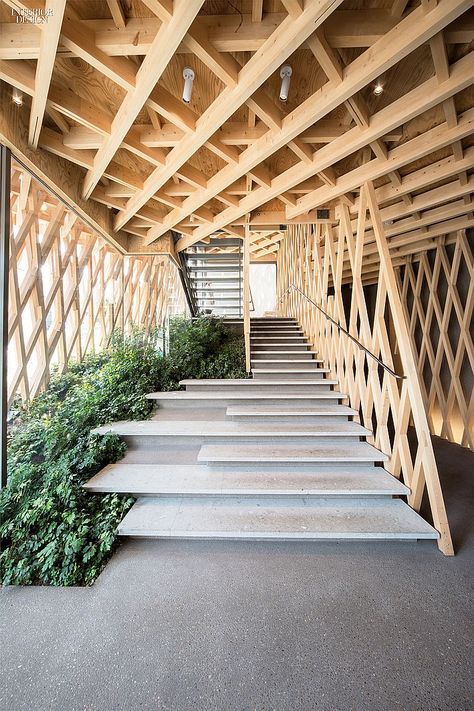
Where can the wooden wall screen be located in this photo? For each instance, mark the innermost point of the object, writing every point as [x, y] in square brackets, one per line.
[69, 290]
[317, 261]
[437, 289]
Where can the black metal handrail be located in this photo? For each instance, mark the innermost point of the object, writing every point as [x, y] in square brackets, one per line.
[360, 345]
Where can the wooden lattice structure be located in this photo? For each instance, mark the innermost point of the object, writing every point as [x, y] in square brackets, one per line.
[379, 91]
[437, 288]
[312, 263]
[69, 290]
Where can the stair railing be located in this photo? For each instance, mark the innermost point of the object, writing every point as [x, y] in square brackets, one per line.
[340, 328]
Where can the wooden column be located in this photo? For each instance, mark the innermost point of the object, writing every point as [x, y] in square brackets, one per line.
[4, 281]
[246, 265]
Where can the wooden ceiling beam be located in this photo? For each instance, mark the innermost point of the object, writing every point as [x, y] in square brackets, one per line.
[424, 144]
[44, 67]
[286, 38]
[160, 53]
[118, 15]
[343, 29]
[397, 113]
[364, 69]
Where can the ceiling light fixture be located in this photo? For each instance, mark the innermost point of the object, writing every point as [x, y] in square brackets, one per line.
[285, 74]
[17, 97]
[188, 76]
[378, 89]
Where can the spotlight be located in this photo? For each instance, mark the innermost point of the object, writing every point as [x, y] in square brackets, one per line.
[285, 74]
[17, 97]
[188, 76]
[378, 89]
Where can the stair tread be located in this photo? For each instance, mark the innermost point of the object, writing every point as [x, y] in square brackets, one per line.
[242, 395]
[242, 518]
[322, 452]
[290, 370]
[287, 360]
[229, 382]
[199, 479]
[281, 352]
[293, 411]
[203, 428]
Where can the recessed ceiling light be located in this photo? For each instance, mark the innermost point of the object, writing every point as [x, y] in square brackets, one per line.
[378, 89]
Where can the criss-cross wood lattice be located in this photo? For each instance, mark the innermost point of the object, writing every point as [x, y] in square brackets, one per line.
[313, 261]
[69, 290]
[437, 289]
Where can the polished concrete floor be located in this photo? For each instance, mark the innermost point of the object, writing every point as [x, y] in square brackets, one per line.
[203, 626]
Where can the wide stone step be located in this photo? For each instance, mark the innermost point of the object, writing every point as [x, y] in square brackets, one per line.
[323, 410]
[226, 398]
[230, 429]
[200, 480]
[257, 385]
[247, 518]
[322, 452]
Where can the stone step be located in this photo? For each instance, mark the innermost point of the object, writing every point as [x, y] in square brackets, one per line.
[200, 480]
[279, 519]
[279, 347]
[282, 353]
[293, 374]
[325, 452]
[286, 328]
[287, 363]
[257, 385]
[277, 337]
[230, 429]
[223, 398]
[323, 410]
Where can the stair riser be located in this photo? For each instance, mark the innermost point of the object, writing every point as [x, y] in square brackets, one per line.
[291, 419]
[277, 340]
[158, 443]
[258, 387]
[309, 364]
[308, 375]
[277, 332]
[272, 347]
[199, 404]
[295, 498]
[260, 355]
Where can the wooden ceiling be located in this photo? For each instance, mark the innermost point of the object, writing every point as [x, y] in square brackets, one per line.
[101, 84]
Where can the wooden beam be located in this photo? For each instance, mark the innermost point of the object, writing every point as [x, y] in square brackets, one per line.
[418, 147]
[365, 68]
[44, 68]
[118, 15]
[343, 29]
[408, 106]
[164, 45]
[286, 38]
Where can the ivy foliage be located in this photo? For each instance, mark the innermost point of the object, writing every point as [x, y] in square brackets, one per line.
[53, 532]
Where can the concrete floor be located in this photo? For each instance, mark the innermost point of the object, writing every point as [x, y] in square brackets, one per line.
[202, 626]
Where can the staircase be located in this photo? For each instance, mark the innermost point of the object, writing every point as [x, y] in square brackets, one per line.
[215, 278]
[277, 456]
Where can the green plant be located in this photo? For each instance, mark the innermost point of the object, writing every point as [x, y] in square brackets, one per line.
[53, 531]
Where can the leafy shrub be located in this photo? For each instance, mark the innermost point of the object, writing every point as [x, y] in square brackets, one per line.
[53, 531]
